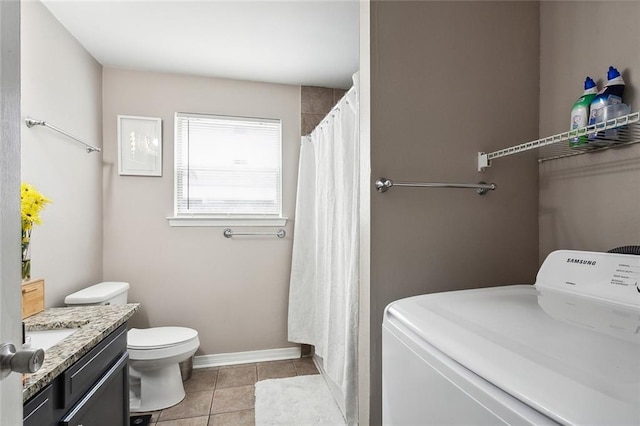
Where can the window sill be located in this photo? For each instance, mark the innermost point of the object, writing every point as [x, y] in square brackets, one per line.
[226, 221]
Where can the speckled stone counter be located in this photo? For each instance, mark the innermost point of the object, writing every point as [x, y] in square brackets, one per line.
[94, 323]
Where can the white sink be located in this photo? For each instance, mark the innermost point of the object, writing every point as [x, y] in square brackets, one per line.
[44, 339]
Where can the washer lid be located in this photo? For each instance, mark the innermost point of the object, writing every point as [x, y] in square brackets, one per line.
[574, 359]
[159, 337]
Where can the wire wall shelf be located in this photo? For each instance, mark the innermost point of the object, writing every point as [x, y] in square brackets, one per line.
[614, 133]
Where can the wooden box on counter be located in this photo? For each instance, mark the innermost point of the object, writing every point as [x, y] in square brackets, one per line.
[32, 297]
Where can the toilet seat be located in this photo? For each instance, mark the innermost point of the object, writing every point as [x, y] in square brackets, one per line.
[159, 343]
[159, 337]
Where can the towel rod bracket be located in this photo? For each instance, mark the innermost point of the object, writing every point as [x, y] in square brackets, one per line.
[383, 184]
[30, 122]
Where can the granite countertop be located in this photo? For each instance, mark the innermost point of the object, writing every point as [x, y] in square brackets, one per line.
[94, 323]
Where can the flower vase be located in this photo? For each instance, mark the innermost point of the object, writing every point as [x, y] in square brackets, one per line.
[26, 269]
[26, 257]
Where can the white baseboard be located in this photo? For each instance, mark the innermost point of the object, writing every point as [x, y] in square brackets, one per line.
[218, 360]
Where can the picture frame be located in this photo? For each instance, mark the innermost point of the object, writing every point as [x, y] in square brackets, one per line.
[139, 146]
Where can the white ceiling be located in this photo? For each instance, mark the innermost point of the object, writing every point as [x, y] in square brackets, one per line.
[301, 42]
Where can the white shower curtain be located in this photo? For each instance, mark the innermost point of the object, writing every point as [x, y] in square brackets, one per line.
[323, 294]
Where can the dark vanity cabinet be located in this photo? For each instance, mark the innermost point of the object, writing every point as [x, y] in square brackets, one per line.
[92, 392]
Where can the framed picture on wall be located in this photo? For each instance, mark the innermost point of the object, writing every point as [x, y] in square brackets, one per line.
[139, 146]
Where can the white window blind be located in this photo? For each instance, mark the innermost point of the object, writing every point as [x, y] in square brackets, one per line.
[227, 166]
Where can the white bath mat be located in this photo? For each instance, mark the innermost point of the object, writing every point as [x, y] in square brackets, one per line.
[299, 401]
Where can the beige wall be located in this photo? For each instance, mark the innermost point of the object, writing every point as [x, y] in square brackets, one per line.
[61, 84]
[233, 291]
[449, 79]
[588, 202]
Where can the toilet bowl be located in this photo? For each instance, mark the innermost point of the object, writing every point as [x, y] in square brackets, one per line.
[154, 374]
[154, 353]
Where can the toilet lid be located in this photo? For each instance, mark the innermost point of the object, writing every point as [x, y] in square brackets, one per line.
[159, 337]
[97, 293]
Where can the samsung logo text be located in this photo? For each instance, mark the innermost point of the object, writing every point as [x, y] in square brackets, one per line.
[581, 261]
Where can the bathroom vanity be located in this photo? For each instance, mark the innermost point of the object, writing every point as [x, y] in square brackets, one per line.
[84, 379]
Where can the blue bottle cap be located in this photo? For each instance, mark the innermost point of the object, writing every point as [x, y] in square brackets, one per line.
[589, 83]
[612, 73]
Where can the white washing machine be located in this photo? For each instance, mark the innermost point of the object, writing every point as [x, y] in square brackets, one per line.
[563, 351]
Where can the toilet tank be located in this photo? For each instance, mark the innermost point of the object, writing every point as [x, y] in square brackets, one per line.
[106, 293]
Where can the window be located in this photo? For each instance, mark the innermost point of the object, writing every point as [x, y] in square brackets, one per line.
[227, 168]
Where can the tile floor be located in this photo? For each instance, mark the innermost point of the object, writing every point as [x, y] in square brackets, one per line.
[225, 395]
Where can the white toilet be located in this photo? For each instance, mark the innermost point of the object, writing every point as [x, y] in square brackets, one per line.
[154, 353]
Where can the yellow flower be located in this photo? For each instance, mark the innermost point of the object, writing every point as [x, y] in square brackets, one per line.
[32, 203]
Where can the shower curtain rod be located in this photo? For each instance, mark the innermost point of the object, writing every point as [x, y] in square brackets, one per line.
[351, 89]
[33, 122]
[383, 184]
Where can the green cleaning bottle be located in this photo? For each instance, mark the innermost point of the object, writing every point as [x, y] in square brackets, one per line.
[580, 111]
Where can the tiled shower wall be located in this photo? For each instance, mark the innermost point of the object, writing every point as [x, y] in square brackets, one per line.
[316, 102]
